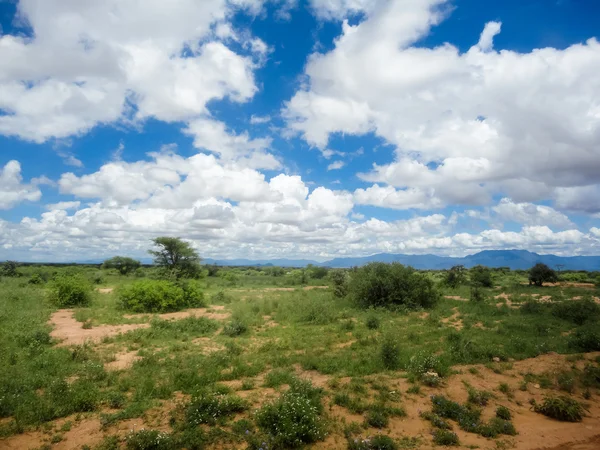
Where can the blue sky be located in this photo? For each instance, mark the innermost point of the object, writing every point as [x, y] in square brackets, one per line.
[291, 128]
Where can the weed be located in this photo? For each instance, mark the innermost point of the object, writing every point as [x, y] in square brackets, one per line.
[445, 437]
[208, 407]
[566, 382]
[479, 398]
[436, 420]
[414, 389]
[373, 322]
[585, 339]
[149, 440]
[277, 377]
[390, 353]
[378, 442]
[235, 328]
[561, 408]
[502, 412]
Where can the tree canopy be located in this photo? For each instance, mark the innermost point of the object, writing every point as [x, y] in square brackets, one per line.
[123, 264]
[176, 256]
[481, 276]
[456, 276]
[541, 273]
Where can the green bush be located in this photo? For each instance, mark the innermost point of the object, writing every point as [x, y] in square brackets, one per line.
[577, 311]
[36, 278]
[149, 440]
[380, 284]
[390, 353]
[157, 296]
[477, 294]
[436, 420]
[480, 398]
[339, 278]
[533, 307]
[502, 412]
[481, 276]
[294, 419]
[208, 407]
[67, 291]
[372, 322]
[377, 418]
[585, 339]
[235, 328]
[379, 442]
[445, 437]
[563, 408]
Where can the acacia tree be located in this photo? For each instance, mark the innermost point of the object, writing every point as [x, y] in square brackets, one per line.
[123, 264]
[176, 257]
[481, 276]
[456, 276]
[540, 273]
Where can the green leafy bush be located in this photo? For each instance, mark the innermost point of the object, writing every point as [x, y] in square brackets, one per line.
[585, 339]
[480, 398]
[294, 419]
[477, 294]
[339, 278]
[563, 408]
[481, 276]
[533, 307]
[372, 322]
[156, 296]
[390, 353]
[149, 440]
[235, 328]
[377, 418]
[577, 311]
[208, 407]
[502, 412]
[67, 291]
[380, 284]
[379, 442]
[445, 437]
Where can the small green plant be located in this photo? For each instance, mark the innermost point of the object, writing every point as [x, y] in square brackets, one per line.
[87, 325]
[436, 420]
[477, 294]
[149, 440]
[445, 437]
[390, 353]
[235, 328]
[378, 442]
[67, 291]
[208, 407]
[377, 418]
[561, 408]
[505, 389]
[479, 398]
[566, 382]
[502, 412]
[414, 389]
[372, 322]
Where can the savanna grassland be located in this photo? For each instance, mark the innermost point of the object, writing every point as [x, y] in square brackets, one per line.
[270, 358]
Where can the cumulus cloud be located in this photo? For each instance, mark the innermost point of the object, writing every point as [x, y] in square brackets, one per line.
[471, 125]
[336, 165]
[12, 188]
[90, 70]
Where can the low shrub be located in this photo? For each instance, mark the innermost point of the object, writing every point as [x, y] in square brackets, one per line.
[577, 311]
[235, 328]
[66, 291]
[377, 418]
[157, 296]
[372, 322]
[477, 294]
[149, 440]
[424, 362]
[563, 408]
[436, 420]
[294, 419]
[380, 284]
[585, 339]
[209, 407]
[479, 398]
[502, 412]
[390, 353]
[445, 437]
[533, 307]
[379, 442]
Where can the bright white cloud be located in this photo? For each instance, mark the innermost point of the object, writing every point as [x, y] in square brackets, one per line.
[89, 62]
[469, 125]
[12, 188]
[529, 214]
[336, 165]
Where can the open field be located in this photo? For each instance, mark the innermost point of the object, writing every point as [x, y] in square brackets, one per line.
[226, 374]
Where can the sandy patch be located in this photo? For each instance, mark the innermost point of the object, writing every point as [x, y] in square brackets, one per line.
[69, 332]
[208, 345]
[214, 312]
[282, 289]
[123, 361]
[105, 290]
[456, 297]
[454, 320]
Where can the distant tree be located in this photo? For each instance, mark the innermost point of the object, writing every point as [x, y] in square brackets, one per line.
[9, 269]
[541, 273]
[317, 272]
[481, 276]
[213, 270]
[123, 264]
[176, 257]
[456, 276]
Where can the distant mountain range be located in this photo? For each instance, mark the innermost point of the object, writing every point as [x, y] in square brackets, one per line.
[515, 259]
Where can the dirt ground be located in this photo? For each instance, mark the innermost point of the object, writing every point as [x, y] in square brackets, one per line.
[535, 432]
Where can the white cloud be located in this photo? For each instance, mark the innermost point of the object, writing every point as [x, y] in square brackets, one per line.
[469, 125]
[339, 9]
[530, 214]
[63, 206]
[257, 120]
[336, 165]
[88, 63]
[12, 189]
[389, 197]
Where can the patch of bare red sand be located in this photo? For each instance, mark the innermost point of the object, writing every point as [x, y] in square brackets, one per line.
[69, 332]
[209, 313]
[123, 361]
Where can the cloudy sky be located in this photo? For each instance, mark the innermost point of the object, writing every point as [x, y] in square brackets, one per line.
[299, 128]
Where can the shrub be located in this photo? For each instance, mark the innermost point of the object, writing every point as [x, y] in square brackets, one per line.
[445, 437]
[577, 311]
[294, 419]
[561, 408]
[235, 328]
[477, 294]
[372, 322]
[424, 362]
[390, 353]
[208, 407]
[67, 291]
[585, 339]
[480, 398]
[533, 307]
[148, 440]
[380, 284]
[455, 276]
[379, 442]
[155, 296]
[36, 278]
[9, 269]
[377, 418]
[502, 412]
[339, 279]
[481, 276]
[436, 420]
